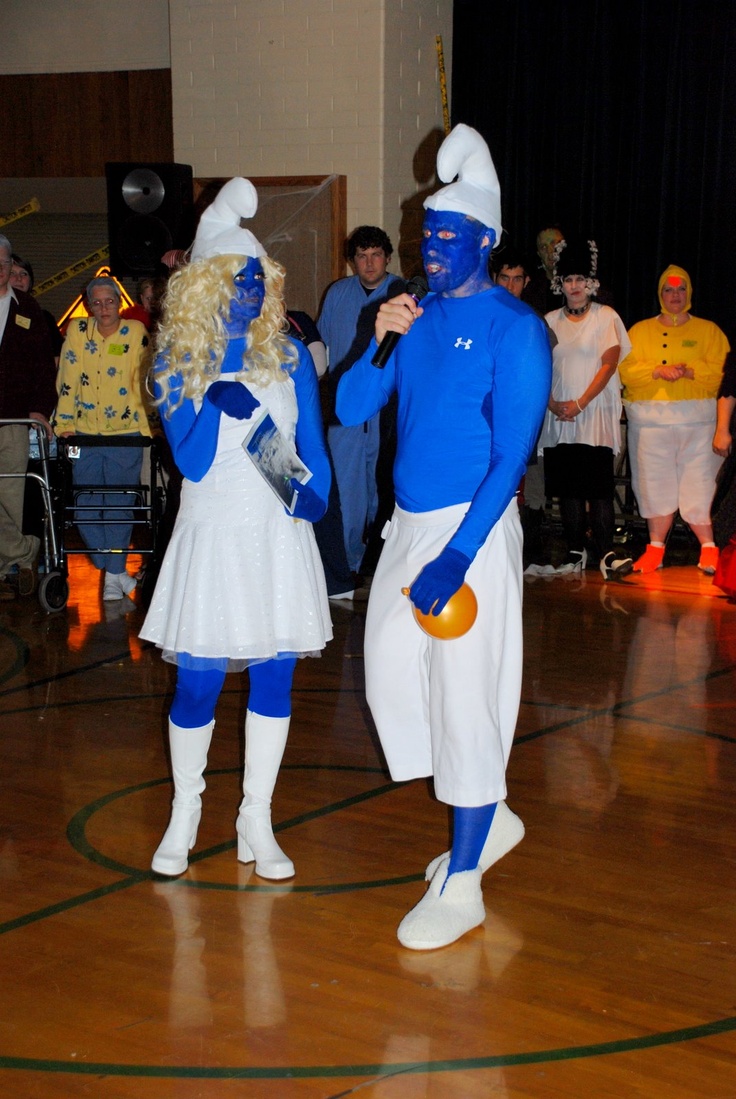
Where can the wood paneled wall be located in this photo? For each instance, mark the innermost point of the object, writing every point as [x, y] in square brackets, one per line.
[70, 124]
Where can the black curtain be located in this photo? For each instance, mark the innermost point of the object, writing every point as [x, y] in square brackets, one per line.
[615, 120]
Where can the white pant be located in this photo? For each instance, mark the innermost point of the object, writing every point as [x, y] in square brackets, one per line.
[447, 708]
[673, 468]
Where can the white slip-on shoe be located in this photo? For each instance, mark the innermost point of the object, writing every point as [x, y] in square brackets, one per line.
[450, 908]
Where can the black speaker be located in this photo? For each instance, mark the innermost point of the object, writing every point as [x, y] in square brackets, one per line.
[150, 210]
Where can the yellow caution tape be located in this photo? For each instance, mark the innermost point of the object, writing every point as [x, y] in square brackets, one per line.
[31, 207]
[70, 272]
[443, 83]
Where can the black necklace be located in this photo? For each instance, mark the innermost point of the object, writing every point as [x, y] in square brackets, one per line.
[577, 312]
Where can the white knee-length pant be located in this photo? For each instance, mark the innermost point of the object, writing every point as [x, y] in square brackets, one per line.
[673, 468]
[447, 708]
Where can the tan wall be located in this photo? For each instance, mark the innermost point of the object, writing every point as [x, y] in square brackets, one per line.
[273, 87]
[65, 36]
[284, 87]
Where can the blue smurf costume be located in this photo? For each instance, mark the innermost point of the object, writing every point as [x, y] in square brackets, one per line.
[241, 584]
[472, 373]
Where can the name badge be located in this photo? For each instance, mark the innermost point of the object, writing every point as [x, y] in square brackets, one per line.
[24, 322]
[116, 349]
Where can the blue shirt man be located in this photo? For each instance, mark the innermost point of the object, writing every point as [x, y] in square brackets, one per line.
[346, 326]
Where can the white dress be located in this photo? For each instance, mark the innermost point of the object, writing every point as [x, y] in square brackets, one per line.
[576, 360]
[241, 580]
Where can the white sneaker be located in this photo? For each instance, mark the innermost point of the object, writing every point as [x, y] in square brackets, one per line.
[117, 586]
[112, 589]
[127, 583]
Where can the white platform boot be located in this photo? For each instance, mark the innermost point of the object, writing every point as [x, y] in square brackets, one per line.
[265, 741]
[189, 748]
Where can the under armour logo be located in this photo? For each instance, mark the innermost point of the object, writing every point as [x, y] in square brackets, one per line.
[460, 342]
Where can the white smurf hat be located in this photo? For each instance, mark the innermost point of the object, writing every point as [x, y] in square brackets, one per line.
[477, 192]
[219, 232]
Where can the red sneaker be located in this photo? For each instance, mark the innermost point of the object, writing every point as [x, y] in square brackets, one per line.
[708, 562]
[650, 560]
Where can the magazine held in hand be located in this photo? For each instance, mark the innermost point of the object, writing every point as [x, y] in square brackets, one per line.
[275, 459]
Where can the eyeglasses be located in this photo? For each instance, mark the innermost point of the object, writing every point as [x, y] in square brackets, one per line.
[5, 264]
[97, 304]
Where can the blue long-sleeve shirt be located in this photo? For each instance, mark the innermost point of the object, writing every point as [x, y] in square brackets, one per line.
[348, 317]
[473, 378]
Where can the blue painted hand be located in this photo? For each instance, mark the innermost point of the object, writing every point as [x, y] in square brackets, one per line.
[308, 505]
[232, 398]
[439, 580]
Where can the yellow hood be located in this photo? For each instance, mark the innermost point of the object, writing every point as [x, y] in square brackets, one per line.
[675, 272]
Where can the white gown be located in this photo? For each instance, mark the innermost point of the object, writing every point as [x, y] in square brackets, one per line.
[241, 579]
[576, 360]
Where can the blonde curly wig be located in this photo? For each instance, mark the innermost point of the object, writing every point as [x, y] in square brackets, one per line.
[191, 339]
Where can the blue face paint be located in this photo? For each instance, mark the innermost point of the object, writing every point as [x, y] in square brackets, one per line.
[249, 290]
[454, 253]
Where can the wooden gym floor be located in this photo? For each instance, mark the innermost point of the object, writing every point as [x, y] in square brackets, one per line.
[606, 964]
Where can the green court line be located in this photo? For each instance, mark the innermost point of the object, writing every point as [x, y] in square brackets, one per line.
[134, 875]
[22, 653]
[617, 710]
[71, 902]
[71, 703]
[302, 1072]
[671, 727]
[58, 676]
[76, 833]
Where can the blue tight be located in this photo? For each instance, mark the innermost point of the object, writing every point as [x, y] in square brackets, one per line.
[470, 831]
[270, 687]
[197, 692]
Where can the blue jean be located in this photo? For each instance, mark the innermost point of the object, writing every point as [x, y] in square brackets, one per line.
[355, 454]
[109, 465]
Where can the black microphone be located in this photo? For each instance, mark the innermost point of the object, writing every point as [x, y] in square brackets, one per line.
[417, 288]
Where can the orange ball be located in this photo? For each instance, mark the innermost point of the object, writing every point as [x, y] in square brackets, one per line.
[455, 618]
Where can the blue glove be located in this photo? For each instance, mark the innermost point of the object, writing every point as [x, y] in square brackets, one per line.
[438, 581]
[232, 398]
[308, 504]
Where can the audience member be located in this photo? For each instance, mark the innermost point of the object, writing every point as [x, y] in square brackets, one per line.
[723, 509]
[101, 394]
[22, 278]
[511, 271]
[27, 391]
[34, 509]
[147, 307]
[329, 529]
[538, 291]
[671, 379]
[582, 429]
[346, 324]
